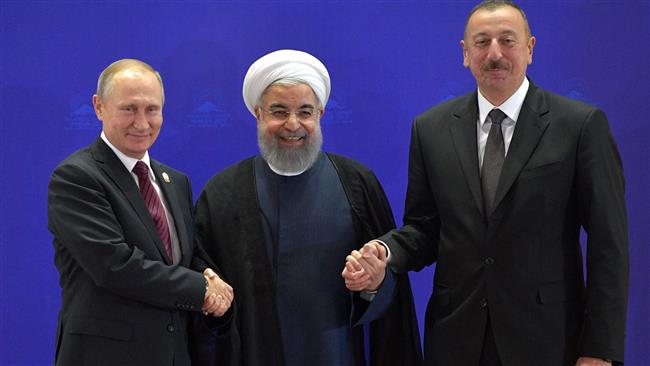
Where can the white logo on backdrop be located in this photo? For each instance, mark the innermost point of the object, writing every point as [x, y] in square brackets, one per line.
[208, 114]
[82, 118]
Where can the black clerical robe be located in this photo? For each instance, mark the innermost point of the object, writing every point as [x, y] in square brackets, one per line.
[230, 229]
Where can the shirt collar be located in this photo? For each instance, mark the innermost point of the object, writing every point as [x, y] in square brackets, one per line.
[280, 172]
[128, 161]
[293, 174]
[511, 107]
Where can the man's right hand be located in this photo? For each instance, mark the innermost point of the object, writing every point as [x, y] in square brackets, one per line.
[218, 296]
[365, 269]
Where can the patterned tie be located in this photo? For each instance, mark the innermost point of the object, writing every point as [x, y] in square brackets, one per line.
[153, 204]
[492, 160]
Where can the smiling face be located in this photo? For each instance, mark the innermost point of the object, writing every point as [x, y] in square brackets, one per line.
[288, 125]
[497, 48]
[289, 113]
[131, 111]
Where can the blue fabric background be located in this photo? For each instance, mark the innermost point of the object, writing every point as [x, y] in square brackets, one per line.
[388, 60]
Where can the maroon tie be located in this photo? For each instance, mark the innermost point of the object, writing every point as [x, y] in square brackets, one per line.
[154, 205]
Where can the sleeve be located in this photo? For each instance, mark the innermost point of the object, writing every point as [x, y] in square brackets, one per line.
[88, 233]
[204, 238]
[203, 258]
[364, 311]
[601, 199]
[393, 330]
[414, 245]
[200, 259]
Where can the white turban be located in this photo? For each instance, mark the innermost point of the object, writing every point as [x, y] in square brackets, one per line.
[283, 64]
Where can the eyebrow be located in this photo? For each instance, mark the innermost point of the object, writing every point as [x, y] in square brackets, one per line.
[504, 33]
[280, 105]
[277, 105]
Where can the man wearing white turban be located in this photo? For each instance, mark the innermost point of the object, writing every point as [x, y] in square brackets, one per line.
[279, 225]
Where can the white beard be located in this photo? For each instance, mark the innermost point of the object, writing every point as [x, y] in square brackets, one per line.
[290, 160]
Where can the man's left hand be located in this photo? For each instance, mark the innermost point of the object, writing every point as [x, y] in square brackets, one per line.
[365, 269]
[590, 361]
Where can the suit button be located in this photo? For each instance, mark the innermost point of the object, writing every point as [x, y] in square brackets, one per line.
[170, 328]
[483, 303]
[489, 261]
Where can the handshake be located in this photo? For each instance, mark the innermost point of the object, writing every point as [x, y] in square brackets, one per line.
[365, 268]
[218, 295]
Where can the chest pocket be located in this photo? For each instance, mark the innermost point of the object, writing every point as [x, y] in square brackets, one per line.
[541, 170]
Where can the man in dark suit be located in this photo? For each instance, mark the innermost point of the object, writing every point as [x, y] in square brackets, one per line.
[123, 237]
[497, 200]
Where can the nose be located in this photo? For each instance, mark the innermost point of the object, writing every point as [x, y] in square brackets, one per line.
[140, 121]
[292, 124]
[494, 51]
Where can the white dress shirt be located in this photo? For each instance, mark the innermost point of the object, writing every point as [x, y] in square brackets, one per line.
[129, 163]
[511, 107]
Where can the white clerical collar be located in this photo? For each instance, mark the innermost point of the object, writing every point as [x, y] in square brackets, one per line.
[511, 107]
[128, 161]
[286, 174]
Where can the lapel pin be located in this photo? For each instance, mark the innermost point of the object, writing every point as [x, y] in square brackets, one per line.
[166, 177]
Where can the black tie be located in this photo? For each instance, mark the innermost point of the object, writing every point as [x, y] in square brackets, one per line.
[492, 160]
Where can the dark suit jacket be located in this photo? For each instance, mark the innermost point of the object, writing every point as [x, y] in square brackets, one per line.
[121, 303]
[522, 265]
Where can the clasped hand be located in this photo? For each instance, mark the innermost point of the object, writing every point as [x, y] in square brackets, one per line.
[591, 361]
[365, 268]
[218, 296]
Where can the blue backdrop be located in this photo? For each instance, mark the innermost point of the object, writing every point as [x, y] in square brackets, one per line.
[388, 60]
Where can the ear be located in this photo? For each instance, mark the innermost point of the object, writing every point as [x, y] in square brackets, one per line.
[531, 44]
[98, 106]
[258, 116]
[321, 110]
[258, 113]
[465, 55]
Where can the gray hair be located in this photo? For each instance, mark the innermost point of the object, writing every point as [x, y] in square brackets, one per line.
[492, 5]
[105, 81]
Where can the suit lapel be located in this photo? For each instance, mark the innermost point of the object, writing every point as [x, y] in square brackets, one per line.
[115, 170]
[529, 129]
[168, 189]
[463, 132]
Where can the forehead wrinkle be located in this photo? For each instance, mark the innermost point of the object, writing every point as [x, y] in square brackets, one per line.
[506, 32]
[136, 89]
[497, 12]
[277, 105]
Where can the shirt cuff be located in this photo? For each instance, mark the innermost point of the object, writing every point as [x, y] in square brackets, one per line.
[368, 296]
[388, 256]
